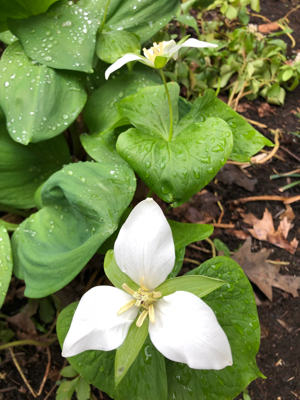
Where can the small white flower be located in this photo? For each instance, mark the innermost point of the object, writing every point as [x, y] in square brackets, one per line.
[181, 325]
[167, 49]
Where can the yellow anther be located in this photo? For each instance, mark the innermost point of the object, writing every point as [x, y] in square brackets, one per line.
[151, 314]
[126, 307]
[141, 318]
[128, 289]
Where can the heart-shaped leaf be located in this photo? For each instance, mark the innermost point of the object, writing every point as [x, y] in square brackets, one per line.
[64, 37]
[82, 206]
[56, 97]
[24, 168]
[175, 169]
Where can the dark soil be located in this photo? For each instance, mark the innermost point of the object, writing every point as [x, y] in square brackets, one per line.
[279, 354]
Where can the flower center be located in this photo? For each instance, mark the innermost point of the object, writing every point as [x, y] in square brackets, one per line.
[156, 50]
[142, 298]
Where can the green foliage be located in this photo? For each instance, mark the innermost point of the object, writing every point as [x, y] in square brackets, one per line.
[53, 245]
[6, 263]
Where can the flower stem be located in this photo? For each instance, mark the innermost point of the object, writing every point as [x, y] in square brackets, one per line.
[104, 16]
[27, 342]
[170, 104]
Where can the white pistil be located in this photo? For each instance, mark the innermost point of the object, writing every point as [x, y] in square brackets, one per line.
[142, 298]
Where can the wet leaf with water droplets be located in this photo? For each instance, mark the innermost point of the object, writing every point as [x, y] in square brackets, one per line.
[78, 215]
[54, 95]
[182, 166]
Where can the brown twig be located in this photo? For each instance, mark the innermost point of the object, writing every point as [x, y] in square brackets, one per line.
[217, 225]
[27, 342]
[190, 260]
[290, 153]
[46, 373]
[21, 373]
[193, 246]
[213, 249]
[286, 200]
[256, 123]
[55, 385]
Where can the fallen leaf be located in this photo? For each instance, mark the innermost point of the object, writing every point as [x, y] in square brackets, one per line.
[237, 233]
[289, 214]
[230, 174]
[267, 28]
[263, 229]
[265, 110]
[264, 274]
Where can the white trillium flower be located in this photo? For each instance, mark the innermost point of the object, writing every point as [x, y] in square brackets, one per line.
[181, 326]
[167, 49]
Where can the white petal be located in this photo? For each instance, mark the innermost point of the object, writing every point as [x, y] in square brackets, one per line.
[145, 246]
[167, 46]
[124, 60]
[187, 331]
[191, 43]
[96, 325]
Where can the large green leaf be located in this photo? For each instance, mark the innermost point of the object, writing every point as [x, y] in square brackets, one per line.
[112, 45]
[6, 263]
[19, 9]
[101, 113]
[82, 206]
[246, 140]
[235, 309]
[175, 169]
[39, 102]
[145, 379]
[144, 18]
[64, 37]
[7, 37]
[24, 168]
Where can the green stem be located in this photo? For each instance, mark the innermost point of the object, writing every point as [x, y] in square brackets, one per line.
[27, 342]
[170, 104]
[8, 226]
[104, 17]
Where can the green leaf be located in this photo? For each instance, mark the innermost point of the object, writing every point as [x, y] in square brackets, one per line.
[243, 16]
[68, 372]
[83, 389]
[56, 98]
[179, 168]
[231, 12]
[184, 234]
[82, 206]
[6, 263]
[143, 18]
[114, 274]
[255, 5]
[112, 45]
[246, 140]
[24, 168]
[129, 350]
[287, 75]
[145, 379]
[220, 246]
[160, 61]
[46, 310]
[235, 309]
[188, 20]
[201, 286]
[63, 37]
[19, 9]
[7, 37]
[102, 146]
[66, 390]
[101, 113]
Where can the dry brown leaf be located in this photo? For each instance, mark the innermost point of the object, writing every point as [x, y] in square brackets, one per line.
[263, 274]
[289, 213]
[237, 233]
[232, 174]
[265, 110]
[263, 229]
[267, 28]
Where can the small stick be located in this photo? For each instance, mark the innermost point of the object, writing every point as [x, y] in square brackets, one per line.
[55, 385]
[256, 123]
[291, 200]
[213, 249]
[21, 373]
[217, 225]
[46, 373]
[29, 342]
[290, 153]
[278, 262]
[190, 260]
[199, 248]
[258, 198]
